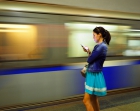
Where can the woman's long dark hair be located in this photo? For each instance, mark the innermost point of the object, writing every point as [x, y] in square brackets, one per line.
[105, 34]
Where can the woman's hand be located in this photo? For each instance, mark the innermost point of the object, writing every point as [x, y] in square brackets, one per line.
[86, 49]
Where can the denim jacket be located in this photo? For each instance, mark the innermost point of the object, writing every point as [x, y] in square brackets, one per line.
[97, 58]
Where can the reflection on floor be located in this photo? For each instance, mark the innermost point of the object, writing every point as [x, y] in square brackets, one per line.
[129, 101]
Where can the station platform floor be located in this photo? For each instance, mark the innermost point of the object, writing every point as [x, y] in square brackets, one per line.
[128, 101]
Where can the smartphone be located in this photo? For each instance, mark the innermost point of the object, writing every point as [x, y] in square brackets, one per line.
[84, 47]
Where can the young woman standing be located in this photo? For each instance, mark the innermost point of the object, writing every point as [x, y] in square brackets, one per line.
[94, 82]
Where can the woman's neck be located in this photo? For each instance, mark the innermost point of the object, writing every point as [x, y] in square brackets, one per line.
[100, 41]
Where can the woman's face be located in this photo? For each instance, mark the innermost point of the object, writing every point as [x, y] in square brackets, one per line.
[96, 37]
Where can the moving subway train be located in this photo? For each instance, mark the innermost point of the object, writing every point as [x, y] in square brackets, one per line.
[41, 55]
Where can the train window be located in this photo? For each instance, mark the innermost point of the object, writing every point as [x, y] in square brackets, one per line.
[81, 33]
[133, 46]
[19, 42]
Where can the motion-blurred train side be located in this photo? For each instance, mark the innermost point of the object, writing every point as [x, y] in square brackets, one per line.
[41, 56]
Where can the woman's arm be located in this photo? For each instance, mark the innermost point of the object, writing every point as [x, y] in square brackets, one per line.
[95, 53]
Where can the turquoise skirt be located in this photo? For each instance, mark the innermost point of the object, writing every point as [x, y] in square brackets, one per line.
[95, 84]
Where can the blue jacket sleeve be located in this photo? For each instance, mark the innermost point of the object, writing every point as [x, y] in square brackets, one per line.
[95, 54]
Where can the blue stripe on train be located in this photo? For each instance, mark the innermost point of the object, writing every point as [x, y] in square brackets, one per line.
[35, 70]
[30, 70]
[48, 69]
